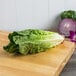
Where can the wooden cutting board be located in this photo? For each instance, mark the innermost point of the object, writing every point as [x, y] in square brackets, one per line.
[49, 63]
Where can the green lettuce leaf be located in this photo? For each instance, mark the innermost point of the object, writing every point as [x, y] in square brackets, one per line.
[32, 41]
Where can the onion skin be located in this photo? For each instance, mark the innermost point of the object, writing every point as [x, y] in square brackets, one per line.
[66, 25]
[73, 36]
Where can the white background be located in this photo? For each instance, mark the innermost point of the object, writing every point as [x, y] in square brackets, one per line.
[26, 14]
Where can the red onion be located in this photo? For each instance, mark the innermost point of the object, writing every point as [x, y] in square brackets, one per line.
[67, 25]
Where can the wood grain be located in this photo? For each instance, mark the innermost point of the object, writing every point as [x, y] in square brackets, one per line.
[49, 63]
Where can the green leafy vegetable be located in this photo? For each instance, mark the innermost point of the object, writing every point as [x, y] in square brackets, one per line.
[68, 14]
[32, 41]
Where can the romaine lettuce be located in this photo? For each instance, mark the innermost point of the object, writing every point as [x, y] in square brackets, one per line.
[32, 41]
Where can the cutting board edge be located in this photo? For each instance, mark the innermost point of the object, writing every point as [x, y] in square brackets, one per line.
[65, 61]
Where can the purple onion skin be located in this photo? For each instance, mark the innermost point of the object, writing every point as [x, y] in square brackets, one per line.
[67, 25]
[73, 36]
